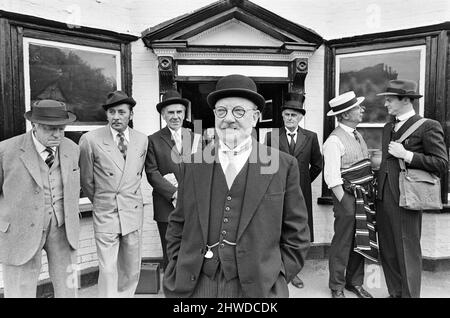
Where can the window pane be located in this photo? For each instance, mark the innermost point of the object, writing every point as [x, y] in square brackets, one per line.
[368, 73]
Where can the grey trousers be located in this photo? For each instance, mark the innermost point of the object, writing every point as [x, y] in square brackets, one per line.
[21, 281]
[119, 262]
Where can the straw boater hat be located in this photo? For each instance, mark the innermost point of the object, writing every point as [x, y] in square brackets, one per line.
[236, 86]
[344, 102]
[171, 97]
[49, 112]
[401, 88]
[295, 102]
[117, 98]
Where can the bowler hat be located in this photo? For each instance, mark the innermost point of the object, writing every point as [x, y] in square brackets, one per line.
[236, 86]
[117, 98]
[49, 112]
[344, 102]
[401, 88]
[172, 96]
[295, 102]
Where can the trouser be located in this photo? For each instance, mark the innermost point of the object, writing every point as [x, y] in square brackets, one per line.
[219, 287]
[399, 232]
[21, 281]
[345, 265]
[162, 229]
[119, 262]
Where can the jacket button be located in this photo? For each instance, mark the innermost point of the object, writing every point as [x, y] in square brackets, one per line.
[222, 245]
[227, 208]
[36, 192]
[32, 224]
[192, 277]
[228, 198]
[225, 220]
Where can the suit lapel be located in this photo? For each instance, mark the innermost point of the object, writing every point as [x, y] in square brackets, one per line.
[30, 158]
[301, 138]
[203, 175]
[256, 187]
[64, 160]
[132, 152]
[284, 146]
[111, 148]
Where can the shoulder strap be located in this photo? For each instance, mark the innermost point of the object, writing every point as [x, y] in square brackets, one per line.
[411, 129]
[406, 134]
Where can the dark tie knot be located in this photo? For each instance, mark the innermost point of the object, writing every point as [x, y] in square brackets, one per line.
[291, 135]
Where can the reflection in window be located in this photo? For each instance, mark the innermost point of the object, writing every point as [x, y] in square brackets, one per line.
[79, 76]
[368, 73]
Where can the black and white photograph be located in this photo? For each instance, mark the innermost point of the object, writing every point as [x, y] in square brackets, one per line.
[219, 152]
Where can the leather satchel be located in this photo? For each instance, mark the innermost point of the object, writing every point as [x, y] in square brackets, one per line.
[419, 189]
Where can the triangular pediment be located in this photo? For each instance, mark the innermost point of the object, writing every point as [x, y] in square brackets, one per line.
[234, 33]
[238, 23]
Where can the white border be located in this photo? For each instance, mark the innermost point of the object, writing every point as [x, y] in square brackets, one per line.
[421, 48]
[26, 71]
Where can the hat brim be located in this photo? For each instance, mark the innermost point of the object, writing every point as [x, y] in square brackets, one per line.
[165, 103]
[256, 98]
[400, 95]
[130, 101]
[359, 101]
[300, 110]
[29, 116]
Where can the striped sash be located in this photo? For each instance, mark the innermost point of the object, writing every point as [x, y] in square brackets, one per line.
[359, 182]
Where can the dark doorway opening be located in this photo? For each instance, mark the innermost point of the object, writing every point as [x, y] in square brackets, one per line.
[197, 92]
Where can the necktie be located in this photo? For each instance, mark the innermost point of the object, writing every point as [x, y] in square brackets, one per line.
[177, 142]
[394, 123]
[122, 146]
[50, 158]
[231, 171]
[355, 133]
[292, 144]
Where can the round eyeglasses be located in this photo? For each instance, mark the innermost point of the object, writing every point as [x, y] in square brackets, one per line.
[237, 111]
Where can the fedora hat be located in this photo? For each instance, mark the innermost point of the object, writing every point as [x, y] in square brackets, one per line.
[295, 102]
[236, 86]
[49, 112]
[344, 102]
[172, 96]
[402, 88]
[117, 98]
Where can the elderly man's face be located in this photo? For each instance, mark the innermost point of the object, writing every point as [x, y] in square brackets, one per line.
[291, 118]
[231, 128]
[49, 135]
[119, 116]
[173, 115]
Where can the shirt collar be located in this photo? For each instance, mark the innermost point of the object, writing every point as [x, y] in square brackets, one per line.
[243, 146]
[406, 116]
[173, 132]
[291, 132]
[126, 133]
[348, 129]
[40, 147]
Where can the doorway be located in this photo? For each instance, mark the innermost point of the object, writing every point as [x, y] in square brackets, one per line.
[196, 92]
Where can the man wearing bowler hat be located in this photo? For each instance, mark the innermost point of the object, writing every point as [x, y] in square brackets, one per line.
[39, 193]
[111, 161]
[166, 149]
[348, 173]
[304, 146]
[400, 229]
[240, 225]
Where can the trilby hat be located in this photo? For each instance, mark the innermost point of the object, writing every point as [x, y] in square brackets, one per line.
[49, 112]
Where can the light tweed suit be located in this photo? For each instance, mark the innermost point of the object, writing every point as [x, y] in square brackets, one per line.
[113, 184]
[24, 223]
